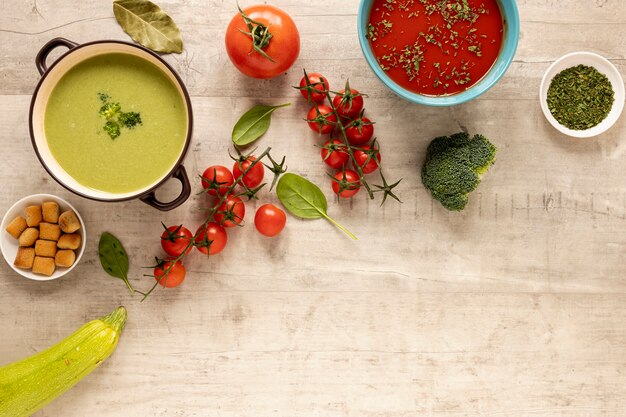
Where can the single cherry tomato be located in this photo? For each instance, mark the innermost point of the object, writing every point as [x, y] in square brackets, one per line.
[350, 181]
[169, 275]
[362, 155]
[254, 176]
[348, 105]
[175, 240]
[211, 239]
[322, 85]
[274, 47]
[217, 178]
[231, 212]
[334, 154]
[321, 119]
[269, 220]
[360, 132]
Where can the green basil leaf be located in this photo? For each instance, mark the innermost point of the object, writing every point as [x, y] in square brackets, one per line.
[113, 258]
[253, 124]
[304, 199]
[148, 25]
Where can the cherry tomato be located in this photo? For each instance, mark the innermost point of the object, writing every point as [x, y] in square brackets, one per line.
[315, 78]
[348, 105]
[231, 212]
[334, 154]
[175, 240]
[351, 181]
[174, 277]
[254, 176]
[269, 220]
[217, 178]
[211, 239]
[278, 51]
[361, 157]
[321, 119]
[360, 132]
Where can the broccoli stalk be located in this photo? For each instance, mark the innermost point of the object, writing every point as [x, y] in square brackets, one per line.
[454, 166]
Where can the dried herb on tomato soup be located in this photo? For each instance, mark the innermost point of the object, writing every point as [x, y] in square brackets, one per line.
[435, 47]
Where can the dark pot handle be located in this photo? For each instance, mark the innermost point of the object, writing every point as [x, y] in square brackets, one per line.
[42, 55]
[181, 175]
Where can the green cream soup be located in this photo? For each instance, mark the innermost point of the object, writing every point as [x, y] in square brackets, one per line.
[115, 123]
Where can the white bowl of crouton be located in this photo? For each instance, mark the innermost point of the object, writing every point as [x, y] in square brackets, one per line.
[42, 237]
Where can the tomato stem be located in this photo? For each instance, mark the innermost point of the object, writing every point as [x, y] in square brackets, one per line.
[259, 33]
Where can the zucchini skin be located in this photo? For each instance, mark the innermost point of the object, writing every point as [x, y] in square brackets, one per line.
[28, 385]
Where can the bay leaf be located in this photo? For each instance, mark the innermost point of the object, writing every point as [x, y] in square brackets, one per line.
[148, 25]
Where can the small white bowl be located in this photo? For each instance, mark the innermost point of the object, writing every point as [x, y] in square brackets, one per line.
[9, 245]
[601, 64]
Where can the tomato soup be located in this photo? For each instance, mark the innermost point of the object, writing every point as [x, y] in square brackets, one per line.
[435, 47]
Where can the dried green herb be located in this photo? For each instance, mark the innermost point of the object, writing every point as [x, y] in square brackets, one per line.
[580, 97]
[148, 25]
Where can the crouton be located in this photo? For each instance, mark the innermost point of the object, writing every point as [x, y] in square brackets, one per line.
[49, 231]
[17, 226]
[24, 258]
[69, 222]
[28, 237]
[43, 266]
[33, 216]
[69, 241]
[47, 248]
[65, 258]
[50, 212]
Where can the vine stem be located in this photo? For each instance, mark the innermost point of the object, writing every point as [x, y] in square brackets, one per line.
[208, 220]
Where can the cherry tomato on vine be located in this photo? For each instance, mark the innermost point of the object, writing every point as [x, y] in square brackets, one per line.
[348, 105]
[321, 119]
[174, 277]
[231, 212]
[361, 156]
[218, 178]
[350, 180]
[254, 177]
[315, 78]
[269, 220]
[273, 47]
[175, 240]
[360, 132]
[211, 239]
[334, 154]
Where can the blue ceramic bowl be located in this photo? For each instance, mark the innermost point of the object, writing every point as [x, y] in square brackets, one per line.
[510, 16]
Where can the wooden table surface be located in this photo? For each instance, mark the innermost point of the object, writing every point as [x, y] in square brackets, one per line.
[515, 307]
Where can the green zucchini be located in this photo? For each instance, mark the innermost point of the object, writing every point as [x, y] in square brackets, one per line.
[32, 383]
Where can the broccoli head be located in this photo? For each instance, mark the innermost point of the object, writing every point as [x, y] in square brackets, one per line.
[112, 129]
[130, 119]
[454, 166]
[110, 110]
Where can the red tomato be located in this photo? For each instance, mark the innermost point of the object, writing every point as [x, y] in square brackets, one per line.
[278, 52]
[175, 240]
[350, 180]
[315, 78]
[334, 154]
[348, 105]
[360, 132]
[321, 119]
[174, 277]
[231, 212]
[361, 157]
[254, 176]
[217, 178]
[212, 239]
[269, 220]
